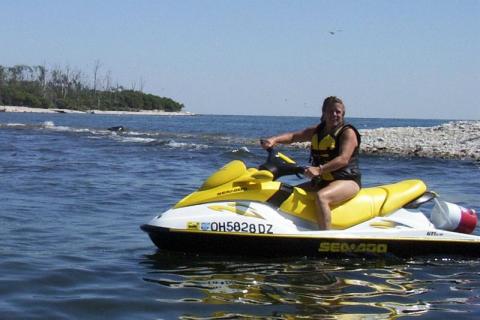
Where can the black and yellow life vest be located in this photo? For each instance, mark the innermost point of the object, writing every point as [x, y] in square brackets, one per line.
[326, 146]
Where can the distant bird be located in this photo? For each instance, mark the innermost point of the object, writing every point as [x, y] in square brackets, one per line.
[333, 32]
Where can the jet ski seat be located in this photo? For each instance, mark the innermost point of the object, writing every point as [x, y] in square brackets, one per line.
[401, 193]
[367, 204]
[376, 201]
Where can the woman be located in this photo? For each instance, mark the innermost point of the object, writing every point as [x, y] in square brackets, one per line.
[334, 171]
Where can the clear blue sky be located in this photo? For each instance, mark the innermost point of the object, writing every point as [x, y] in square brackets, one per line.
[397, 59]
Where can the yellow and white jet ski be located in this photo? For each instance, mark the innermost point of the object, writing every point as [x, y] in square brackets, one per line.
[249, 212]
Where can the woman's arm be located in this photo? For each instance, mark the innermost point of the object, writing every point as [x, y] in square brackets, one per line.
[289, 137]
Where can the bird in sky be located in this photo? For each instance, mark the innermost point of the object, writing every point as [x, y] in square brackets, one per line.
[334, 32]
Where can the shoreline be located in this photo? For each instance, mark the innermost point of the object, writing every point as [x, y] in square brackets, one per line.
[20, 109]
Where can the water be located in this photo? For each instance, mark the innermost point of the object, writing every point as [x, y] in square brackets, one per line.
[73, 194]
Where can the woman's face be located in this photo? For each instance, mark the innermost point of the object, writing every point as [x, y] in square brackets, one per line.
[334, 113]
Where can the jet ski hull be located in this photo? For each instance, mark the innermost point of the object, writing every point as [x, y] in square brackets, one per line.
[307, 245]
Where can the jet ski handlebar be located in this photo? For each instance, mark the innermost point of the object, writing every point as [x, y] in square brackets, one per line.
[280, 165]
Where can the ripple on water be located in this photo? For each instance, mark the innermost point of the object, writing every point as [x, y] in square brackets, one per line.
[311, 288]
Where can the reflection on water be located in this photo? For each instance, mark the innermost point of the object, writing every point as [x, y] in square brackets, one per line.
[333, 289]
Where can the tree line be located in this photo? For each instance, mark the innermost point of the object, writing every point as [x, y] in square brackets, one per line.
[65, 88]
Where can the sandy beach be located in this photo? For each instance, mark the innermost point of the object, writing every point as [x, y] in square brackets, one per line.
[140, 112]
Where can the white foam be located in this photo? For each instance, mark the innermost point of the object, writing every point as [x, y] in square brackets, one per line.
[136, 139]
[15, 125]
[48, 124]
[241, 149]
[184, 145]
[135, 133]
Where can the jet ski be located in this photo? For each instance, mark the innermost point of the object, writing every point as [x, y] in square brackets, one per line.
[249, 211]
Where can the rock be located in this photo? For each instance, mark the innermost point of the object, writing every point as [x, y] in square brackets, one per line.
[117, 129]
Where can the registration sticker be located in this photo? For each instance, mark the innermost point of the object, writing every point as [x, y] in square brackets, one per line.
[191, 225]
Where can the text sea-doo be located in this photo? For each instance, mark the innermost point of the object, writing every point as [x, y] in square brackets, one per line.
[247, 211]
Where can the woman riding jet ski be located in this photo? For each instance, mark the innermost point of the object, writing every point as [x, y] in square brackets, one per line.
[248, 211]
[334, 157]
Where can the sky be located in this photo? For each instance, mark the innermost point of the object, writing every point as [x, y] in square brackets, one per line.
[385, 59]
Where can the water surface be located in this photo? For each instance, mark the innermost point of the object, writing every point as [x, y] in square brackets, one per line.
[74, 194]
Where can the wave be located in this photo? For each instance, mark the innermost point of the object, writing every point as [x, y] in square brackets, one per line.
[50, 125]
[14, 125]
[136, 139]
[186, 145]
[241, 150]
[46, 125]
[172, 140]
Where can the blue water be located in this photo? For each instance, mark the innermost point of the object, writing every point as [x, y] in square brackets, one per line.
[73, 194]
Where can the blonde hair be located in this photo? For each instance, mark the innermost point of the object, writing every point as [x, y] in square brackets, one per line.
[331, 101]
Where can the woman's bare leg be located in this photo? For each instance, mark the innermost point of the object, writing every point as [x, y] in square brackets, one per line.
[336, 192]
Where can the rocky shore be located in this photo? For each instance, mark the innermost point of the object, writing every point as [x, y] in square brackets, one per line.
[139, 112]
[453, 140]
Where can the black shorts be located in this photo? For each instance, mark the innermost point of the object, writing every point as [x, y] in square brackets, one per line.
[319, 183]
